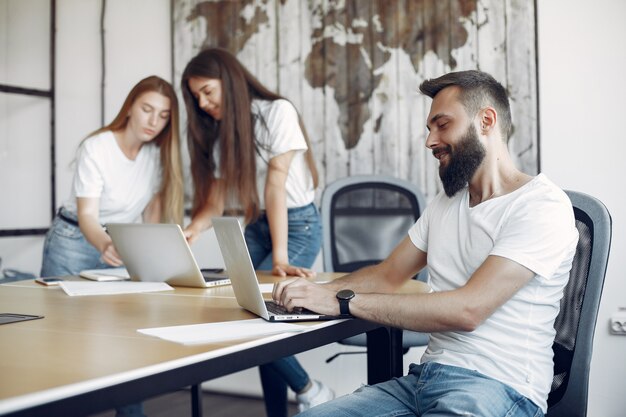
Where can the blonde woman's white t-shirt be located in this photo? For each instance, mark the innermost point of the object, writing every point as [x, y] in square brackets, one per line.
[123, 186]
[533, 226]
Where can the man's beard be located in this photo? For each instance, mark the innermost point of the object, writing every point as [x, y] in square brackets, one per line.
[463, 161]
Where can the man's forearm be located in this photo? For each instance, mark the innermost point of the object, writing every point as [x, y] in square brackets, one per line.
[372, 279]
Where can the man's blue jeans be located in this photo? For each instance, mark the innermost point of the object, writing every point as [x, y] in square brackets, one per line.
[303, 244]
[431, 389]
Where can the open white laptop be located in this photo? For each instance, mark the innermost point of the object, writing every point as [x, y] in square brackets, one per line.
[244, 280]
[160, 252]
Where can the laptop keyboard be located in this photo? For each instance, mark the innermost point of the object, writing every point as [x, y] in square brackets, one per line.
[276, 309]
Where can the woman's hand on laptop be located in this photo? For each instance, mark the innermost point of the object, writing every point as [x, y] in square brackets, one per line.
[192, 233]
[283, 270]
[110, 256]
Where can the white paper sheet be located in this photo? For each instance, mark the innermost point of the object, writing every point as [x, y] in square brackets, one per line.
[75, 288]
[266, 288]
[221, 331]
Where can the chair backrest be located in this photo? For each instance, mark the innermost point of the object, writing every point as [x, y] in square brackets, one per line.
[576, 322]
[364, 217]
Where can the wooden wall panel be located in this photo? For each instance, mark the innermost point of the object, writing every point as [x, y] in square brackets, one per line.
[352, 68]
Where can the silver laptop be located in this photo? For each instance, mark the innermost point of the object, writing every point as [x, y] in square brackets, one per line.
[160, 252]
[244, 280]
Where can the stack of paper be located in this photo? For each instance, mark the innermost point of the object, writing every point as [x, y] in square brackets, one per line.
[108, 274]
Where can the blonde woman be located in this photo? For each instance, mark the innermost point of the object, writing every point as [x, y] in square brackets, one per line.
[127, 171]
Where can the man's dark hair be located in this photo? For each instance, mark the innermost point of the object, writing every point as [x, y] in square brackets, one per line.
[478, 89]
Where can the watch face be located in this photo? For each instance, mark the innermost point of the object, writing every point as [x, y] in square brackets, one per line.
[345, 294]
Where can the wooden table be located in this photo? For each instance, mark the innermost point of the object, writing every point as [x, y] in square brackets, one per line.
[86, 355]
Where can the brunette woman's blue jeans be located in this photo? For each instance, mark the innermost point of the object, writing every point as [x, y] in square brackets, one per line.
[431, 389]
[303, 244]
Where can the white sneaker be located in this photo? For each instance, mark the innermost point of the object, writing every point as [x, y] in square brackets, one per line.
[317, 394]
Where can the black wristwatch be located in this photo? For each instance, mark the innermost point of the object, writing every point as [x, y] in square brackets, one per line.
[344, 297]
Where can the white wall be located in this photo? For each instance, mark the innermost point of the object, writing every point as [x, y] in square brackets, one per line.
[137, 44]
[582, 87]
[24, 125]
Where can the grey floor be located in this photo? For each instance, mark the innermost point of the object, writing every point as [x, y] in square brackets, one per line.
[178, 404]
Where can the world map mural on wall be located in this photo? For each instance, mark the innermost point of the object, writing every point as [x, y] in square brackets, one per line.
[352, 68]
[364, 28]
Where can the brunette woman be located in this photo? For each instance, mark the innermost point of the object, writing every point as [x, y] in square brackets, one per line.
[248, 146]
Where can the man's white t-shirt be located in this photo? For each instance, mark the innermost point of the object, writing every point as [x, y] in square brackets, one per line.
[533, 226]
[124, 186]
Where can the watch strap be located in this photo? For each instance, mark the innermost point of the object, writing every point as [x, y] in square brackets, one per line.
[344, 307]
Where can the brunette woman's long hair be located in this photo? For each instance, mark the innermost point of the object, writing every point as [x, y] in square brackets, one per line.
[233, 134]
[172, 188]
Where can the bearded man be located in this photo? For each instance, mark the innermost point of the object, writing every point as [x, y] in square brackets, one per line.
[498, 244]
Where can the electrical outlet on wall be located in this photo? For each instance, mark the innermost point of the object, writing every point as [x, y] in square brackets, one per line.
[617, 324]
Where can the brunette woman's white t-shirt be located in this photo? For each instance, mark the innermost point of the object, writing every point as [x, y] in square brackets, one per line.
[534, 226]
[277, 131]
[124, 186]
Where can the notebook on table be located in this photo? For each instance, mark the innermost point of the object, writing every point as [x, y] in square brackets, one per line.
[160, 252]
[244, 280]
[107, 274]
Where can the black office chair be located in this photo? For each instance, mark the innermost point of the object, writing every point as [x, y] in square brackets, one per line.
[576, 321]
[364, 217]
